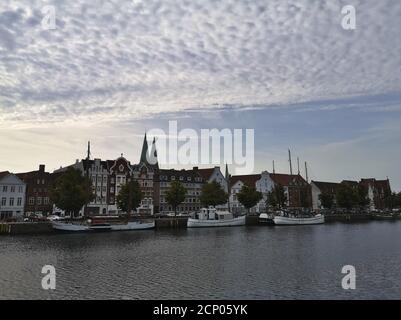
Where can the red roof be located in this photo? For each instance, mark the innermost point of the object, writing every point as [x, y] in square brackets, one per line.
[286, 179]
[4, 174]
[206, 173]
[249, 179]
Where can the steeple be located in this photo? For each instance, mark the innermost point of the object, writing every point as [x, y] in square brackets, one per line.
[153, 154]
[226, 175]
[88, 155]
[144, 153]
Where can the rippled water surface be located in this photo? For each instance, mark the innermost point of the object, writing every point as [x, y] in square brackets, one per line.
[227, 263]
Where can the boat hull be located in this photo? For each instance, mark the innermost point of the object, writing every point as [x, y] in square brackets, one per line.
[70, 227]
[278, 220]
[196, 223]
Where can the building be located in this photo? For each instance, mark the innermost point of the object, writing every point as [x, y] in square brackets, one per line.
[214, 174]
[147, 175]
[296, 189]
[262, 182]
[37, 200]
[191, 180]
[12, 196]
[319, 187]
[378, 190]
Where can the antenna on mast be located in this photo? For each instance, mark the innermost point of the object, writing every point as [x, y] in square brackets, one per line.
[289, 159]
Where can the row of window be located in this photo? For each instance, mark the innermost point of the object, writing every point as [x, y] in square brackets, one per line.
[180, 178]
[13, 189]
[39, 201]
[11, 201]
[180, 208]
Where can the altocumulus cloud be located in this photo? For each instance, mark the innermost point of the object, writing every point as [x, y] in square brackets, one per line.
[119, 59]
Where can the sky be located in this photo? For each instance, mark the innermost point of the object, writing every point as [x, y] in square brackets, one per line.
[110, 70]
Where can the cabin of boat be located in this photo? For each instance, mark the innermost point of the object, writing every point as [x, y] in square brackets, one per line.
[211, 213]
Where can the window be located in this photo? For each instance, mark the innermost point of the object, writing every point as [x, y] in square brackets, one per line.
[46, 200]
[5, 188]
[181, 178]
[20, 189]
[12, 189]
[19, 201]
[39, 200]
[43, 181]
[38, 181]
[31, 201]
[3, 201]
[11, 202]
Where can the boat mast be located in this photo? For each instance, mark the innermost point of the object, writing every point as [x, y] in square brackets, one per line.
[306, 172]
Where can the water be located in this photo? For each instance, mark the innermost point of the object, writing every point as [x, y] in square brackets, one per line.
[302, 262]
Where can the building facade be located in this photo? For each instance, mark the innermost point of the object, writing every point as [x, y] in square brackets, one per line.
[12, 196]
[190, 179]
[38, 184]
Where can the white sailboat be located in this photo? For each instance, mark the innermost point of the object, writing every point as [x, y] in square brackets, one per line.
[210, 217]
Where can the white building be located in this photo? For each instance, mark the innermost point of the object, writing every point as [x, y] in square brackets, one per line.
[12, 196]
[215, 174]
[262, 182]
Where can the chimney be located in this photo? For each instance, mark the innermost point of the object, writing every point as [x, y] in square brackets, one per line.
[41, 168]
[195, 168]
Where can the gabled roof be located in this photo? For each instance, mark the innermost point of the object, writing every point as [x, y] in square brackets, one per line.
[286, 179]
[3, 174]
[248, 179]
[206, 173]
[326, 186]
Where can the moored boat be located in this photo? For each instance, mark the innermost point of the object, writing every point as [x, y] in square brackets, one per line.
[265, 218]
[102, 224]
[287, 219]
[210, 217]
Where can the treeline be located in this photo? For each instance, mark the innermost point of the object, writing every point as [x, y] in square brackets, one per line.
[351, 197]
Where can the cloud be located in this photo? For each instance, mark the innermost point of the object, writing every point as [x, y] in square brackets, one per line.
[142, 58]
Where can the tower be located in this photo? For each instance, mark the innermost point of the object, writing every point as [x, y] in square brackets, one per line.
[144, 153]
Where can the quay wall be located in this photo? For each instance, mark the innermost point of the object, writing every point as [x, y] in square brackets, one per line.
[347, 217]
[15, 228]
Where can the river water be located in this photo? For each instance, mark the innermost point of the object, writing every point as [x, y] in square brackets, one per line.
[301, 262]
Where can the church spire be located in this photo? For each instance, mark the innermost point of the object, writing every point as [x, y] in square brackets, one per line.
[144, 153]
[88, 155]
[153, 154]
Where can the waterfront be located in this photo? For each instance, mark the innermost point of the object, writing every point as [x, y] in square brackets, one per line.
[249, 262]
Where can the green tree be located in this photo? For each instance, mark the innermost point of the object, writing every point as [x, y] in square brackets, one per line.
[326, 200]
[276, 197]
[130, 196]
[362, 195]
[347, 197]
[175, 195]
[249, 197]
[213, 194]
[71, 191]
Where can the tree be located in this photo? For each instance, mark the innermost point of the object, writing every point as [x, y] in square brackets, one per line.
[276, 197]
[213, 194]
[130, 196]
[326, 200]
[71, 191]
[249, 197]
[362, 195]
[175, 195]
[347, 197]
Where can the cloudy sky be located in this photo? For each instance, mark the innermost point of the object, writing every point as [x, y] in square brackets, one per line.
[112, 69]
